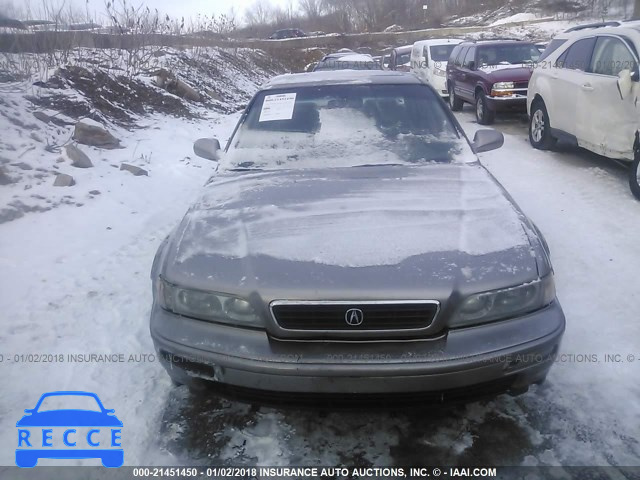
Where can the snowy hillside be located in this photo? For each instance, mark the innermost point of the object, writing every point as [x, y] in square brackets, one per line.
[38, 117]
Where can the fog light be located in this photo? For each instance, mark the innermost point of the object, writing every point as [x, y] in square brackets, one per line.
[502, 93]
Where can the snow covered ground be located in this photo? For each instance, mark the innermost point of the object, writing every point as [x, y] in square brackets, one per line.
[76, 280]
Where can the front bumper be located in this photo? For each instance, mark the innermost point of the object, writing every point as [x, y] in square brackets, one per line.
[440, 85]
[514, 103]
[519, 351]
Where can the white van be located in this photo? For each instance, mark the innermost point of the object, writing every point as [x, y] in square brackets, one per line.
[429, 61]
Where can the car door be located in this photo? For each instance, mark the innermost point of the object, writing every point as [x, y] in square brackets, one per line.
[458, 74]
[426, 64]
[392, 60]
[452, 67]
[568, 76]
[467, 81]
[610, 125]
[416, 62]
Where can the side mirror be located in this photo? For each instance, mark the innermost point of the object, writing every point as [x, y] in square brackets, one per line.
[471, 65]
[487, 140]
[208, 148]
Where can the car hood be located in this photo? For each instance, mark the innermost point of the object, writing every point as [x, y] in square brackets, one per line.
[69, 418]
[336, 230]
[507, 73]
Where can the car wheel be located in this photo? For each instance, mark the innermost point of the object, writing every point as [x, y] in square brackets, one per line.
[484, 114]
[634, 176]
[454, 102]
[539, 127]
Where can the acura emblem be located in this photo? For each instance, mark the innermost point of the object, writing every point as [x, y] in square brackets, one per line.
[354, 317]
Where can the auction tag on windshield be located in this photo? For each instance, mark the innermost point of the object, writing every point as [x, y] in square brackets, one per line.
[278, 107]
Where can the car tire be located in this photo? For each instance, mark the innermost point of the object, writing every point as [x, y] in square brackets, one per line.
[634, 176]
[455, 103]
[540, 128]
[484, 115]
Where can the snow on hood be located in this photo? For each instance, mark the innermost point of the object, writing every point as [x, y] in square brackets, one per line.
[355, 217]
[508, 73]
[494, 68]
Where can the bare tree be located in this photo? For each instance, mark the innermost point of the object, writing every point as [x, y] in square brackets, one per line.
[311, 8]
[260, 13]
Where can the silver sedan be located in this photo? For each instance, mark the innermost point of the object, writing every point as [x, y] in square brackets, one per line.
[352, 243]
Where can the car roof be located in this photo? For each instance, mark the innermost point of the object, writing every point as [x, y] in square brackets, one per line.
[404, 49]
[438, 41]
[592, 25]
[356, 57]
[342, 77]
[599, 29]
[498, 41]
[343, 52]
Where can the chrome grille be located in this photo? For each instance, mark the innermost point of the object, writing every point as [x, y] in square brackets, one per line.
[354, 316]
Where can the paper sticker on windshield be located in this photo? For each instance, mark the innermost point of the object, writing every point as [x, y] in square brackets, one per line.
[278, 107]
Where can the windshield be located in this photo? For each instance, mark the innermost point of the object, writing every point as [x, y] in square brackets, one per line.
[441, 53]
[552, 47]
[346, 125]
[404, 59]
[510, 54]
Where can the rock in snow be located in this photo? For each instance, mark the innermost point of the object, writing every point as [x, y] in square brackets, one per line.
[137, 171]
[94, 136]
[172, 84]
[4, 178]
[22, 166]
[43, 117]
[64, 180]
[79, 159]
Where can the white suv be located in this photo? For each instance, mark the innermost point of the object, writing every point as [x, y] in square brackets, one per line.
[587, 91]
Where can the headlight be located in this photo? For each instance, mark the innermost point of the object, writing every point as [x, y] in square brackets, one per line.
[502, 89]
[509, 302]
[502, 86]
[439, 73]
[210, 306]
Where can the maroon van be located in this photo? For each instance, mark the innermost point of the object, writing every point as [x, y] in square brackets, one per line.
[493, 75]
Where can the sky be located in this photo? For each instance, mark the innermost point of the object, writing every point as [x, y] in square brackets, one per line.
[175, 8]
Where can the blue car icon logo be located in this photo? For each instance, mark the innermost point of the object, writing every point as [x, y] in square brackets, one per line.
[69, 425]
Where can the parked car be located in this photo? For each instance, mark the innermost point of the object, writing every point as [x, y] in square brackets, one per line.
[542, 46]
[429, 60]
[562, 38]
[587, 92]
[400, 59]
[287, 33]
[347, 61]
[493, 75]
[310, 66]
[351, 243]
